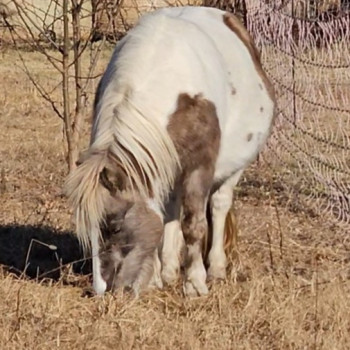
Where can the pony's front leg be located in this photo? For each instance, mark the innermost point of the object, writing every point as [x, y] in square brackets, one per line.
[195, 228]
[172, 239]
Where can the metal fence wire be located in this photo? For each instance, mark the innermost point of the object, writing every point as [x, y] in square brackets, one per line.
[307, 56]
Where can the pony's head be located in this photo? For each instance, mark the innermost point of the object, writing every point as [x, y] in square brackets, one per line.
[123, 228]
[131, 232]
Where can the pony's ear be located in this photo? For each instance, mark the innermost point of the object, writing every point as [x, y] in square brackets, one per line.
[112, 179]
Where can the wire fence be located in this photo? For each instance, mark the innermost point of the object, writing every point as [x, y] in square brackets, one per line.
[307, 56]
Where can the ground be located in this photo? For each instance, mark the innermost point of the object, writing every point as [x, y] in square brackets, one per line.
[289, 289]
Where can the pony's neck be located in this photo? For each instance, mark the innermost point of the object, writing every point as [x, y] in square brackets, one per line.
[132, 197]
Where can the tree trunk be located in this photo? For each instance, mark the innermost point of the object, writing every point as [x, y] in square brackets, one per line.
[65, 89]
[76, 9]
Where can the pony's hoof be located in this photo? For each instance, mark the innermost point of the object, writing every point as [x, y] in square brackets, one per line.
[169, 275]
[216, 273]
[155, 283]
[195, 289]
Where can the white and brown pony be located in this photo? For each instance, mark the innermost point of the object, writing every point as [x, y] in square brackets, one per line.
[182, 109]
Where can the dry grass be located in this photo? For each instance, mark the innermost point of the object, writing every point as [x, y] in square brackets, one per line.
[291, 290]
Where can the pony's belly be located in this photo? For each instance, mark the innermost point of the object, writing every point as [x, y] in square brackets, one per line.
[240, 147]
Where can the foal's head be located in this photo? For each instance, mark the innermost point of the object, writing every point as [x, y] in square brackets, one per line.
[131, 232]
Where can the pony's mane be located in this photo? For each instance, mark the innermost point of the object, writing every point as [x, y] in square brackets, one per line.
[142, 148]
[87, 196]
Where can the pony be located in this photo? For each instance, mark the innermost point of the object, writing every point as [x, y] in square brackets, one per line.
[183, 107]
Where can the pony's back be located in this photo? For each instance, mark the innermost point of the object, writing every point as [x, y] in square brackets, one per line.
[162, 56]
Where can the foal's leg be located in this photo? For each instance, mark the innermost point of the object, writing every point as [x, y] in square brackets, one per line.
[220, 204]
[172, 240]
[195, 227]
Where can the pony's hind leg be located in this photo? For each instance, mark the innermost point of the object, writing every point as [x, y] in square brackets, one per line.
[220, 205]
[195, 228]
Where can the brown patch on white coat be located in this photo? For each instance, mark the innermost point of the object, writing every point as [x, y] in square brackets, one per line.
[233, 89]
[195, 131]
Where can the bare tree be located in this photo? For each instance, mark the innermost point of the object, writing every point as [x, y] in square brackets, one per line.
[64, 51]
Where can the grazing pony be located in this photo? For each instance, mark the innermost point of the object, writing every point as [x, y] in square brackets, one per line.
[182, 109]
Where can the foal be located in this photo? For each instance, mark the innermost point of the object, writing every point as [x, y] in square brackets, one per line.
[182, 109]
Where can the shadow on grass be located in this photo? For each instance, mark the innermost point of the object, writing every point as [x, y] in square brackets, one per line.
[40, 252]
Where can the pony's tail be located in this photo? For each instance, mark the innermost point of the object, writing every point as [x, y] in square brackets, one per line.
[87, 196]
[231, 233]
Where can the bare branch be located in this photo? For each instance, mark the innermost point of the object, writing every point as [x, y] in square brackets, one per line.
[65, 83]
[35, 43]
[43, 93]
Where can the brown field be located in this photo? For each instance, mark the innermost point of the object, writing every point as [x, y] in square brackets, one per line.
[290, 290]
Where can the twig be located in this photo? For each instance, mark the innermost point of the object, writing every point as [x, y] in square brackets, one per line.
[43, 93]
[18, 316]
[63, 265]
[279, 225]
[272, 265]
[33, 240]
[21, 11]
[316, 304]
